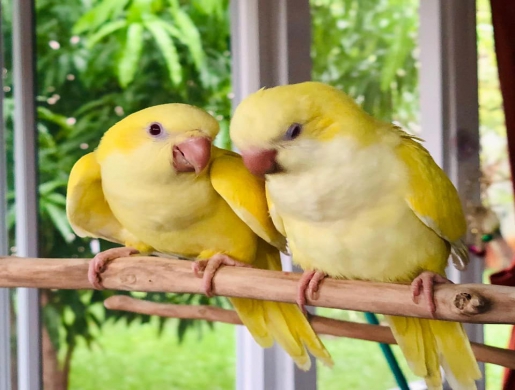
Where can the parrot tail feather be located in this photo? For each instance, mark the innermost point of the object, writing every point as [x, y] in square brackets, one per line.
[283, 322]
[429, 344]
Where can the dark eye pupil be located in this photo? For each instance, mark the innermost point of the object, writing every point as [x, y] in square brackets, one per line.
[293, 131]
[155, 129]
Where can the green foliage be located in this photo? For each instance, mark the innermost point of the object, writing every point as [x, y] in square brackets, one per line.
[369, 53]
[134, 358]
[494, 151]
[133, 24]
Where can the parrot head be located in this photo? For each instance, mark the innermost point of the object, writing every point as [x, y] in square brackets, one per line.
[284, 129]
[171, 137]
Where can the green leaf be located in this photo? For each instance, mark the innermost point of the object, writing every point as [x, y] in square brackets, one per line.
[174, 4]
[56, 198]
[104, 31]
[98, 15]
[190, 36]
[50, 186]
[11, 217]
[184, 324]
[51, 321]
[396, 56]
[172, 30]
[59, 219]
[138, 9]
[210, 7]
[167, 47]
[46, 114]
[131, 54]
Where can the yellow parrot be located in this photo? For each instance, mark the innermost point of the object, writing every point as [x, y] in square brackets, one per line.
[358, 198]
[157, 184]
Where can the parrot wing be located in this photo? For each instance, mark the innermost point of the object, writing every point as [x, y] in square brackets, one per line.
[245, 194]
[86, 207]
[276, 218]
[433, 198]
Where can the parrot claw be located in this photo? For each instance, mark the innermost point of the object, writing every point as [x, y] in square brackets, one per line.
[424, 284]
[308, 287]
[206, 269]
[98, 264]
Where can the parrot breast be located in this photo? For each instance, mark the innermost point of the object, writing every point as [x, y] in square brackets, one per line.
[340, 178]
[347, 216]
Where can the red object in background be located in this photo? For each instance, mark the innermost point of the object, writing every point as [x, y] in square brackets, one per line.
[503, 20]
[506, 277]
[494, 259]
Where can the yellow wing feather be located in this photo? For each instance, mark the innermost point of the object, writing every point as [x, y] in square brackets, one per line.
[86, 207]
[245, 195]
[433, 198]
[276, 218]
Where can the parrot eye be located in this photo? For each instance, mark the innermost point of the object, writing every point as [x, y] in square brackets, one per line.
[155, 129]
[293, 131]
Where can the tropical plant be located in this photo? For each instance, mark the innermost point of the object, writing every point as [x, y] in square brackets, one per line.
[370, 53]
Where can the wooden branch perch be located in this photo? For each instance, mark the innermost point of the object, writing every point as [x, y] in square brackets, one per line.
[322, 325]
[474, 303]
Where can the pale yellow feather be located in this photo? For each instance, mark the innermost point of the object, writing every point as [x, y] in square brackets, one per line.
[276, 218]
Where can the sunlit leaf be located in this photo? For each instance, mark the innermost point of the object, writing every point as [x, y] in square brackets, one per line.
[46, 114]
[131, 53]
[174, 4]
[104, 31]
[50, 186]
[190, 36]
[223, 140]
[210, 7]
[98, 15]
[167, 48]
[57, 199]
[60, 221]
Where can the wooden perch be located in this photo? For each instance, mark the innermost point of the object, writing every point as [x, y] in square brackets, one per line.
[322, 325]
[474, 303]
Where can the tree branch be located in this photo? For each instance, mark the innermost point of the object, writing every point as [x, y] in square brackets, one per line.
[321, 325]
[475, 303]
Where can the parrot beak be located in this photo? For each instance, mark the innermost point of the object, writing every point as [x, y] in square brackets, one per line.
[192, 155]
[261, 162]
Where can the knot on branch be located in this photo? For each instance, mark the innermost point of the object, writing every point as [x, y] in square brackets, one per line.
[128, 279]
[470, 303]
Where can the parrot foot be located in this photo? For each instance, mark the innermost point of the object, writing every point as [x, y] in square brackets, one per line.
[424, 284]
[206, 269]
[308, 287]
[98, 264]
